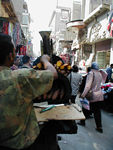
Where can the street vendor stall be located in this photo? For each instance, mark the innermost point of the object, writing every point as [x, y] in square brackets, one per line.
[107, 89]
[56, 119]
[58, 112]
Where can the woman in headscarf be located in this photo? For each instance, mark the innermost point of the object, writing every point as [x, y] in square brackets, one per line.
[93, 85]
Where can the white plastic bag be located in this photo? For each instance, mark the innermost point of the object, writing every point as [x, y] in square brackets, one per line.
[85, 103]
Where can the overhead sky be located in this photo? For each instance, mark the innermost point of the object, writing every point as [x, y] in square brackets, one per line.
[41, 12]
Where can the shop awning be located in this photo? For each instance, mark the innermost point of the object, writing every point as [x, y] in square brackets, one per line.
[7, 4]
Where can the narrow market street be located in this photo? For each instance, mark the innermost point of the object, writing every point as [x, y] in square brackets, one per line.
[88, 138]
[56, 67]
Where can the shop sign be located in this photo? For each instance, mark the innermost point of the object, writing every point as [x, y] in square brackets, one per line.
[94, 32]
[97, 31]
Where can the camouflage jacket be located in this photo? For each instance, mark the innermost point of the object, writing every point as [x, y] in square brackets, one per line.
[18, 124]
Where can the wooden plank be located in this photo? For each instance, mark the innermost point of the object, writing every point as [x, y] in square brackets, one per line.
[68, 112]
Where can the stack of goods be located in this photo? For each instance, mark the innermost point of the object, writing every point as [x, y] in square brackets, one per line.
[107, 89]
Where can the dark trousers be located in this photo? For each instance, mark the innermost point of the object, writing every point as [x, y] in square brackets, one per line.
[86, 112]
[96, 109]
[47, 140]
[73, 98]
[41, 143]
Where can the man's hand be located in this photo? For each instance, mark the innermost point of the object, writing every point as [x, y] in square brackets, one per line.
[81, 96]
[45, 59]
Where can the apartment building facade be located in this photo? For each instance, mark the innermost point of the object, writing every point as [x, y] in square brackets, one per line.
[61, 36]
[94, 39]
[86, 31]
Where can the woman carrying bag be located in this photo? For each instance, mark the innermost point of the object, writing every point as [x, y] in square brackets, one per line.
[93, 88]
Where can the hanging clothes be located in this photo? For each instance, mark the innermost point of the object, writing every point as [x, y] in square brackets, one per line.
[10, 29]
[5, 27]
[110, 24]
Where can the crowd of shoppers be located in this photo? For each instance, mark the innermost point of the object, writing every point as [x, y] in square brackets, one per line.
[19, 86]
[90, 82]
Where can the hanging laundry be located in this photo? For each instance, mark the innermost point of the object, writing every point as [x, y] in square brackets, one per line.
[5, 27]
[10, 29]
[110, 24]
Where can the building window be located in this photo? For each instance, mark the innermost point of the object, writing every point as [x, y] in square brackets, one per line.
[65, 14]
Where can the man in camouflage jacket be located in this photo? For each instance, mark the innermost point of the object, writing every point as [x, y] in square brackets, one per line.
[18, 124]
